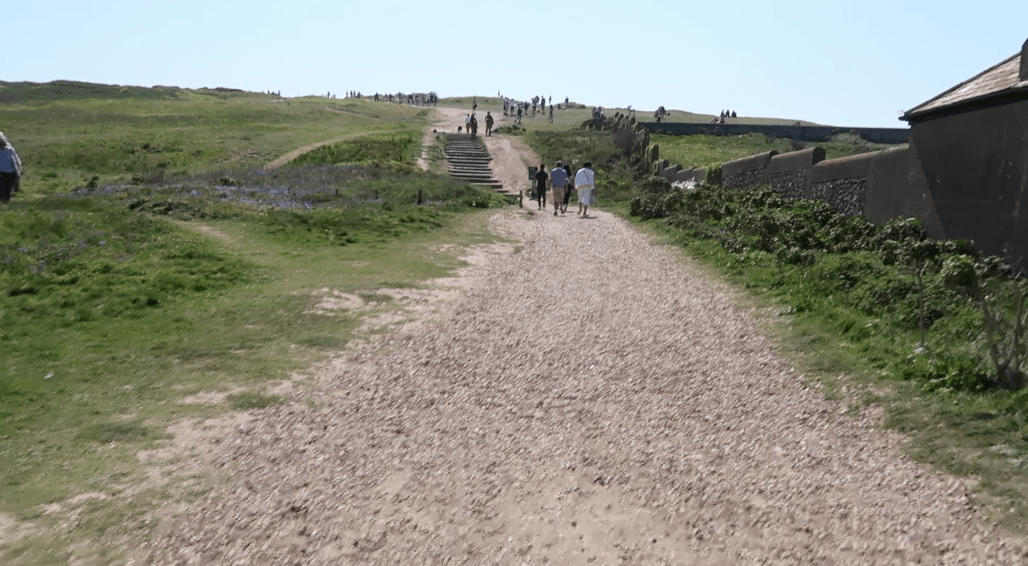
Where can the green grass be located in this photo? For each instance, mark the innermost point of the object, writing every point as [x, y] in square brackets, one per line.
[66, 135]
[91, 378]
[393, 148]
[252, 400]
[199, 278]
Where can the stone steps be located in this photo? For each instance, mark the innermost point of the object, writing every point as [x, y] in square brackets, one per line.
[468, 160]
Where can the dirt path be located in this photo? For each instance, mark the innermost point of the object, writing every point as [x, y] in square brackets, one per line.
[586, 401]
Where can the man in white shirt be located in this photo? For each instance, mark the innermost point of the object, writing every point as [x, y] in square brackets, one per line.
[585, 182]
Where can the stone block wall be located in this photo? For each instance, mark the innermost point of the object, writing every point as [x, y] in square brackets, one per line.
[881, 185]
[695, 175]
[670, 172]
[847, 196]
[789, 173]
[791, 184]
[747, 171]
[798, 133]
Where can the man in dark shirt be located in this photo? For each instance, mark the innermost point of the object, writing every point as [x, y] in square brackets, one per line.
[540, 185]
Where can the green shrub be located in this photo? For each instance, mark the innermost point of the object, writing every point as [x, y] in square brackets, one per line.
[938, 370]
[713, 175]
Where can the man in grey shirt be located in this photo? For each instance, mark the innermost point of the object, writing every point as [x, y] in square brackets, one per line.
[558, 178]
[10, 169]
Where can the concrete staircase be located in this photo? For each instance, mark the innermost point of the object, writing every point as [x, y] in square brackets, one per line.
[468, 161]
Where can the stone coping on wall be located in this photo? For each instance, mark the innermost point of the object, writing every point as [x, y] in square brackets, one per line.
[803, 159]
[842, 168]
[756, 162]
[799, 133]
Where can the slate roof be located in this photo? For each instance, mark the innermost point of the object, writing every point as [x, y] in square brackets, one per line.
[1000, 80]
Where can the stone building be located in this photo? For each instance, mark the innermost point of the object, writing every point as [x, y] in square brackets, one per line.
[972, 144]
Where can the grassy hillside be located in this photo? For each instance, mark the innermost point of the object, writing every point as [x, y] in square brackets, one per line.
[74, 134]
[174, 278]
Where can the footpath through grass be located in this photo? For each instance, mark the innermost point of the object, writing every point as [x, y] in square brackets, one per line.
[878, 316]
[113, 318]
[163, 291]
[873, 316]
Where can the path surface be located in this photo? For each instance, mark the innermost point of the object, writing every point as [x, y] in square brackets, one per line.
[586, 401]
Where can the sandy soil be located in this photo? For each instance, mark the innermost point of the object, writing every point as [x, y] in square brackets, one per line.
[582, 400]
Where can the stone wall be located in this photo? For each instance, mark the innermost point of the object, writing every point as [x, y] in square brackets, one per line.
[696, 175]
[963, 176]
[881, 185]
[791, 184]
[799, 133]
[847, 196]
[790, 173]
[747, 171]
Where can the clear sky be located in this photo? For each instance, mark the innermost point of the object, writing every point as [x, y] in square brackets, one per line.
[837, 62]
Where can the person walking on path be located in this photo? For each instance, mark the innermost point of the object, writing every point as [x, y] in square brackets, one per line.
[558, 178]
[567, 188]
[474, 127]
[518, 119]
[540, 185]
[488, 124]
[585, 182]
[10, 169]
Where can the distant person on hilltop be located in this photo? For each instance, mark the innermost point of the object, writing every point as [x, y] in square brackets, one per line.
[488, 124]
[518, 119]
[10, 169]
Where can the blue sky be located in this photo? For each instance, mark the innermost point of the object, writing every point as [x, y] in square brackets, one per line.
[843, 63]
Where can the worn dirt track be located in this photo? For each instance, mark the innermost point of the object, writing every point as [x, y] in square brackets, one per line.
[586, 401]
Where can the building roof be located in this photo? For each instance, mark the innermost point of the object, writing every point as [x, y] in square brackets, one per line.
[999, 81]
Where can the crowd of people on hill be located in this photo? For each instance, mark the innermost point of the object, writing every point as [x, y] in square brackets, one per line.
[520, 108]
[724, 114]
[412, 99]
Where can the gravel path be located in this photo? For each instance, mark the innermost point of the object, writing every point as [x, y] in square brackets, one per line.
[587, 402]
